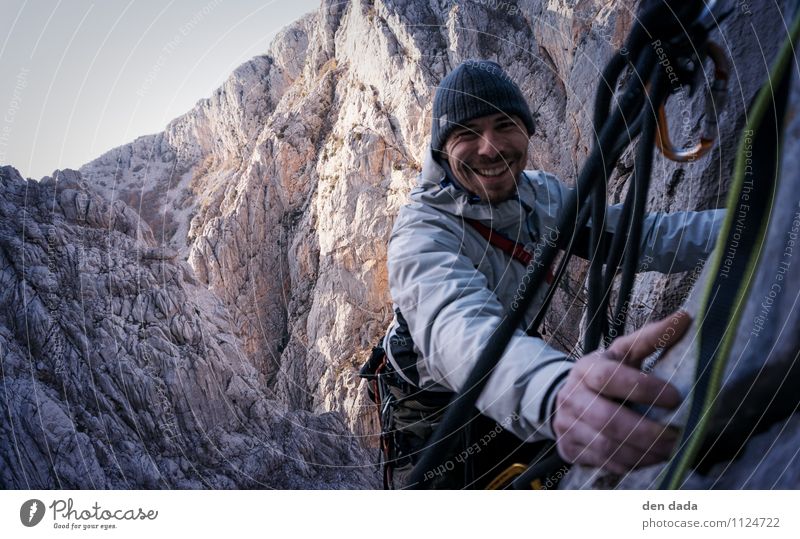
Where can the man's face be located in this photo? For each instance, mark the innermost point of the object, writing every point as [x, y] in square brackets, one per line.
[487, 155]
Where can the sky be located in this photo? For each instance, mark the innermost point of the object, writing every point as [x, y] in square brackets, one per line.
[80, 77]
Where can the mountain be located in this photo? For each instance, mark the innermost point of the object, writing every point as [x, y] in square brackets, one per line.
[191, 309]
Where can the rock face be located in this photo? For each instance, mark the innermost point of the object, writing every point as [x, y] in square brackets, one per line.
[229, 273]
[121, 371]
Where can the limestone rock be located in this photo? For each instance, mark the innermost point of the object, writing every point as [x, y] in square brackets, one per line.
[120, 373]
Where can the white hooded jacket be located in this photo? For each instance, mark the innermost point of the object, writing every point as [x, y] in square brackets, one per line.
[453, 287]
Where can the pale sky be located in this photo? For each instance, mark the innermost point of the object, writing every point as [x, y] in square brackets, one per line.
[80, 77]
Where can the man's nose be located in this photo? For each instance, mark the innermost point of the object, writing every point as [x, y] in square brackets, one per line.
[488, 145]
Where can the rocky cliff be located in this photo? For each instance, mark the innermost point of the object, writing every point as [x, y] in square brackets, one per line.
[120, 370]
[227, 276]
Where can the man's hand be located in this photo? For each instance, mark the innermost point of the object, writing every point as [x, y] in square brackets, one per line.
[591, 425]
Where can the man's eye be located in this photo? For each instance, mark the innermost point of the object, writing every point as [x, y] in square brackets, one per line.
[465, 135]
[506, 125]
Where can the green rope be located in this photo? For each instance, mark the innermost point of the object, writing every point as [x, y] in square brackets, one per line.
[759, 109]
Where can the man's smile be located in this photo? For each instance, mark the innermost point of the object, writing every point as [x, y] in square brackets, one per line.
[492, 171]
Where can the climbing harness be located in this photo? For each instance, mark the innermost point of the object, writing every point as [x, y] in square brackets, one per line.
[406, 411]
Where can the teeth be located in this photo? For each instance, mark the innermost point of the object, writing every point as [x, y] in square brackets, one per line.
[491, 171]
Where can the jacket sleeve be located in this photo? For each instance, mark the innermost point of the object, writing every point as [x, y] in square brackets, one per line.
[671, 242]
[678, 241]
[451, 314]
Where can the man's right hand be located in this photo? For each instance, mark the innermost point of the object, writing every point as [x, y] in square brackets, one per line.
[591, 425]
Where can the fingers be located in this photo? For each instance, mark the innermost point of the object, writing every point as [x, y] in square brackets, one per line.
[623, 426]
[632, 349]
[593, 429]
[619, 425]
[618, 381]
[585, 446]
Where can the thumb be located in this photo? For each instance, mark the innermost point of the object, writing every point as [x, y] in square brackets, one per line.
[662, 335]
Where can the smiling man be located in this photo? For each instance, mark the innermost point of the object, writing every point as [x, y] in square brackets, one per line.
[488, 154]
[450, 287]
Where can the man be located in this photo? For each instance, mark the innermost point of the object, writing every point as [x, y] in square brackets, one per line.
[451, 286]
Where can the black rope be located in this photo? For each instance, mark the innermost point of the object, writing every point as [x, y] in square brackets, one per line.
[625, 139]
[641, 187]
[598, 294]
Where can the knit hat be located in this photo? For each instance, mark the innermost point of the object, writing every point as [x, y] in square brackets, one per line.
[475, 88]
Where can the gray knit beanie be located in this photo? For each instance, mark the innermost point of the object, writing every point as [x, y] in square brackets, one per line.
[475, 88]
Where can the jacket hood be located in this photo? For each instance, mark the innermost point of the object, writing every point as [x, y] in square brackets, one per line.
[437, 187]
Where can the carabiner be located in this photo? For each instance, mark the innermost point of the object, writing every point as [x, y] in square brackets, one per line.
[715, 100]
